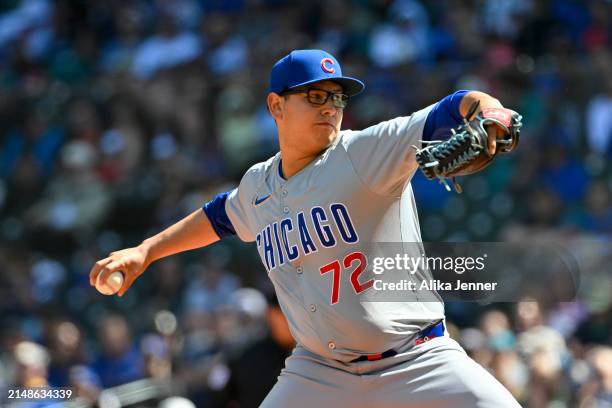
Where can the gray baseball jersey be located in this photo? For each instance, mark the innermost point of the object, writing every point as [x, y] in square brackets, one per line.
[313, 232]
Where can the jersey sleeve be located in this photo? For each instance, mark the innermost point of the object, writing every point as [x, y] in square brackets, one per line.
[236, 207]
[232, 213]
[239, 204]
[215, 211]
[444, 116]
[383, 155]
[228, 216]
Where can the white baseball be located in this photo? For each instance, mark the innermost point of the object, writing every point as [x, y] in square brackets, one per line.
[113, 284]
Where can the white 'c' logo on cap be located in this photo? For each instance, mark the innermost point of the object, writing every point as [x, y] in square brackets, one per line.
[324, 65]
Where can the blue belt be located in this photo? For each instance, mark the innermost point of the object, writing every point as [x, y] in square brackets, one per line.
[431, 332]
[437, 330]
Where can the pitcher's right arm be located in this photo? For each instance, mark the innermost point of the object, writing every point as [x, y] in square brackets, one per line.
[193, 231]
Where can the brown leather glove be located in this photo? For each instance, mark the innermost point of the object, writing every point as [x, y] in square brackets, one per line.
[466, 150]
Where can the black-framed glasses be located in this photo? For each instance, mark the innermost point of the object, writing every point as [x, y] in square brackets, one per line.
[318, 96]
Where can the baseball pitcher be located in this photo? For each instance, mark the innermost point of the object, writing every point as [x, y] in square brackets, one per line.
[313, 209]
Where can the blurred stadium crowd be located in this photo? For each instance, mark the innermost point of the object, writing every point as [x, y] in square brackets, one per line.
[117, 118]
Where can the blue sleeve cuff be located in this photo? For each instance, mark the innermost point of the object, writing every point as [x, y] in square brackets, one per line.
[443, 117]
[215, 211]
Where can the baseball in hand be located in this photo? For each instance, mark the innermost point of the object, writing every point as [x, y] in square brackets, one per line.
[113, 284]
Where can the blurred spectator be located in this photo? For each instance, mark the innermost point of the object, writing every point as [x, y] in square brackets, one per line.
[168, 280]
[165, 50]
[228, 49]
[31, 361]
[266, 357]
[77, 201]
[122, 145]
[597, 216]
[599, 116]
[120, 361]
[67, 350]
[238, 127]
[544, 350]
[36, 138]
[158, 364]
[597, 392]
[210, 288]
[404, 39]
[86, 384]
[496, 327]
[544, 208]
[565, 175]
[504, 362]
[503, 17]
[118, 51]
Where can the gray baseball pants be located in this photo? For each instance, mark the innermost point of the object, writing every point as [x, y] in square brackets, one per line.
[435, 374]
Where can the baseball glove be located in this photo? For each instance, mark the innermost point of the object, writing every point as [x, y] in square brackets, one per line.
[466, 151]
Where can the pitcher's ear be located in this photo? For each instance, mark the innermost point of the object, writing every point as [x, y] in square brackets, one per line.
[275, 105]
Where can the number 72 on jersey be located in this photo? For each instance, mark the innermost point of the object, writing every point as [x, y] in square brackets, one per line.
[355, 260]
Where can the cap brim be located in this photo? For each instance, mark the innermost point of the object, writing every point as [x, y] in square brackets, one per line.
[351, 86]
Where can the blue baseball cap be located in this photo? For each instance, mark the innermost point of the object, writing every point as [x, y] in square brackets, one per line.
[303, 67]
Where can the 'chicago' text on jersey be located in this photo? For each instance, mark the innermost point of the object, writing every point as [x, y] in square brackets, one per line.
[313, 231]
